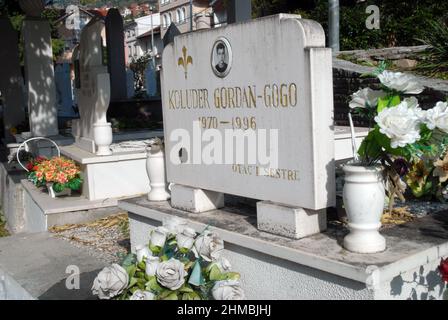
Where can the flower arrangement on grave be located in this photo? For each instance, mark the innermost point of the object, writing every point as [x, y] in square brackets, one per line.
[410, 143]
[177, 264]
[61, 173]
[403, 143]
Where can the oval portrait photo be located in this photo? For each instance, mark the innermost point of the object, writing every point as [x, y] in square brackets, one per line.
[221, 57]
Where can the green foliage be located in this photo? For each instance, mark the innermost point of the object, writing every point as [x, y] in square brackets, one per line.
[402, 22]
[435, 59]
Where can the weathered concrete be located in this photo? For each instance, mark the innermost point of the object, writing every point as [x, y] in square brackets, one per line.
[42, 212]
[315, 267]
[34, 266]
[11, 197]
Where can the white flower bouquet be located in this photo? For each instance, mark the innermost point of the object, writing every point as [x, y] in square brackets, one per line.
[408, 141]
[177, 264]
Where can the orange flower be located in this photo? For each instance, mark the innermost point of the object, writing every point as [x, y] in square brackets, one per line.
[61, 178]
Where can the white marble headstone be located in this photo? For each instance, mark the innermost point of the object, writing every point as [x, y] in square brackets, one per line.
[276, 75]
[93, 96]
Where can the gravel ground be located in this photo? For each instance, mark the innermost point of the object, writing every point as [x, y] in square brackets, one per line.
[104, 239]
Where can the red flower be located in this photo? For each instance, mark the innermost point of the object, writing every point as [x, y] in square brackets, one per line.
[443, 268]
[30, 166]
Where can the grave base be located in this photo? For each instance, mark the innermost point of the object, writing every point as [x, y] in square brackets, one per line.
[195, 200]
[315, 267]
[121, 174]
[42, 212]
[289, 221]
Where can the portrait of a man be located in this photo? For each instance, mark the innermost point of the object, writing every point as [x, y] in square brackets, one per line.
[221, 53]
[221, 58]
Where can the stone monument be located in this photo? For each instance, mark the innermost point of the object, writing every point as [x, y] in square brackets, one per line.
[115, 54]
[240, 83]
[94, 133]
[11, 81]
[39, 73]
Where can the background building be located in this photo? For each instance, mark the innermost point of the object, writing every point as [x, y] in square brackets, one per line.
[205, 14]
[138, 35]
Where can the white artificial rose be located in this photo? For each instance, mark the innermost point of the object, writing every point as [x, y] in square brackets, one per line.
[171, 274]
[174, 225]
[110, 282]
[365, 98]
[223, 264]
[209, 246]
[142, 295]
[401, 82]
[413, 104]
[151, 265]
[437, 117]
[158, 237]
[185, 240]
[228, 290]
[142, 251]
[400, 124]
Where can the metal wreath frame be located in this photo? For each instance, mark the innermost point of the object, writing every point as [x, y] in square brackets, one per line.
[31, 139]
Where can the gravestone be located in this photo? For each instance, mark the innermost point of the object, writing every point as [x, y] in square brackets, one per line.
[39, 77]
[64, 92]
[151, 80]
[172, 31]
[93, 132]
[115, 54]
[264, 84]
[11, 80]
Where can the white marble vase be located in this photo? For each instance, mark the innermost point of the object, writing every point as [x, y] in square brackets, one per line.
[364, 196]
[102, 133]
[155, 167]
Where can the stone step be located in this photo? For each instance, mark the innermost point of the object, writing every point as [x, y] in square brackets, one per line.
[38, 265]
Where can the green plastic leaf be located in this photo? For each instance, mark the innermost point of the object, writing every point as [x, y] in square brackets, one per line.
[172, 296]
[153, 285]
[75, 183]
[215, 274]
[232, 276]
[131, 270]
[132, 282]
[58, 187]
[387, 102]
[185, 289]
[196, 277]
[141, 265]
[167, 294]
[154, 249]
[129, 260]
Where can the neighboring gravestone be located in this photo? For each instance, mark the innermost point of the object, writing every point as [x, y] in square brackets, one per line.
[11, 81]
[39, 75]
[93, 132]
[130, 81]
[170, 34]
[64, 92]
[115, 54]
[151, 80]
[270, 74]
